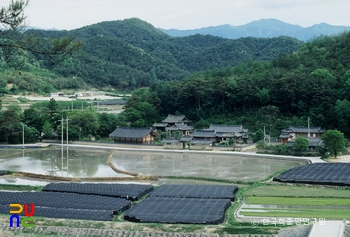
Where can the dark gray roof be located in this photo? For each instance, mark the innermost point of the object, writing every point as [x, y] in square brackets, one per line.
[295, 129]
[125, 132]
[204, 133]
[313, 142]
[170, 140]
[179, 126]
[285, 136]
[227, 128]
[162, 125]
[201, 142]
[226, 135]
[175, 119]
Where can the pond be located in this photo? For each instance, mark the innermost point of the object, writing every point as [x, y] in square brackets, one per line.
[84, 162]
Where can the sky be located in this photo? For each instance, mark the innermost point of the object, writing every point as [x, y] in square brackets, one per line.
[184, 14]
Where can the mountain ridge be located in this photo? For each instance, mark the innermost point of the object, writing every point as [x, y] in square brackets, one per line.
[264, 28]
[133, 53]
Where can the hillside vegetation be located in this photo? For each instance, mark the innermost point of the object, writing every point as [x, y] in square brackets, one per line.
[271, 83]
[131, 53]
[313, 82]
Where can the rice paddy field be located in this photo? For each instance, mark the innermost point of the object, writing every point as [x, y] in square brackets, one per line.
[329, 203]
[257, 197]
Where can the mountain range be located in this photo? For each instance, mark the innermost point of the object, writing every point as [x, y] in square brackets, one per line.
[264, 28]
[133, 53]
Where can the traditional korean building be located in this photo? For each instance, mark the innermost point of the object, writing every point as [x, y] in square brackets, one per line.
[143, 136]
[293, 132]
[224, 132]
[171, 120]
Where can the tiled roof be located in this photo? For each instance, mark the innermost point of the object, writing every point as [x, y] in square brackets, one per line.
[125, 132]
[225, 134]
[295, 129]
[160, 125]
[179, 126]
[313, 142]
[204, 133]
[227, 128]
[175, 119]
[201, 142]
[285, 136]
[170, 140]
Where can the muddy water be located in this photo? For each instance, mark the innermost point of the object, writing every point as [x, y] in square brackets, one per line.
[80, 162]
[232, 167]
[83, 162]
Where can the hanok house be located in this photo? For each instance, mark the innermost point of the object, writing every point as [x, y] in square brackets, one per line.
[293, 132]
[171, 120]
[225, 132]
[314, 143]
[142, 136]
[180, 127]
[203, 137]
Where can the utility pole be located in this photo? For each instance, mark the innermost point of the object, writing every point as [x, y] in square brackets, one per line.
[173, 155]
[61, 134]
[264, 137]
[67, 145]
[62, 144]
[67, 133]
[23, 134]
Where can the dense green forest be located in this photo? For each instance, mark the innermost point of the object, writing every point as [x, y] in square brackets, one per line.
[131, 54]
[313, 82]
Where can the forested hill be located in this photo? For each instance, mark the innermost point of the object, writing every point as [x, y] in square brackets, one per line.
[313, 82]
[131, 53]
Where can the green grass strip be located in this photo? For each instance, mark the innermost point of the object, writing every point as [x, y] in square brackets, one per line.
[303, 213]
[301, 191]
[299, 201]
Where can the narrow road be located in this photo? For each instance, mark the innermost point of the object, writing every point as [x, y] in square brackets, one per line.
[328, 229]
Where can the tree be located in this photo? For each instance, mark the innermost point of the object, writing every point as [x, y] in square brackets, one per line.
[108, 122]
[300, 144]
[342, 112]
[53, 107]
[84, 123]
[8, 121]
[14, 42]
[47, 130]
[333, 142]
[259, 135]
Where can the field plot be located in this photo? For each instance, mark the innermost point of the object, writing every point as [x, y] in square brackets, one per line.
[179, 210]
[69, 213]
[66, 205]
[296, 207]
[319, 173]
[196, 191]
[282, 190]
[66, 200]
[131, 192]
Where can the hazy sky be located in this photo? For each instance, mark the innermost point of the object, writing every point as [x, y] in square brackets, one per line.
[181, 14]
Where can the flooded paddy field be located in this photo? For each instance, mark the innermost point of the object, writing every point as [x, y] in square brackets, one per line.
[52, 161]
[206, 165]
[84, 162]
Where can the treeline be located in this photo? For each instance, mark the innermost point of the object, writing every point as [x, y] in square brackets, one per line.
[313, 82]
[45, 119]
